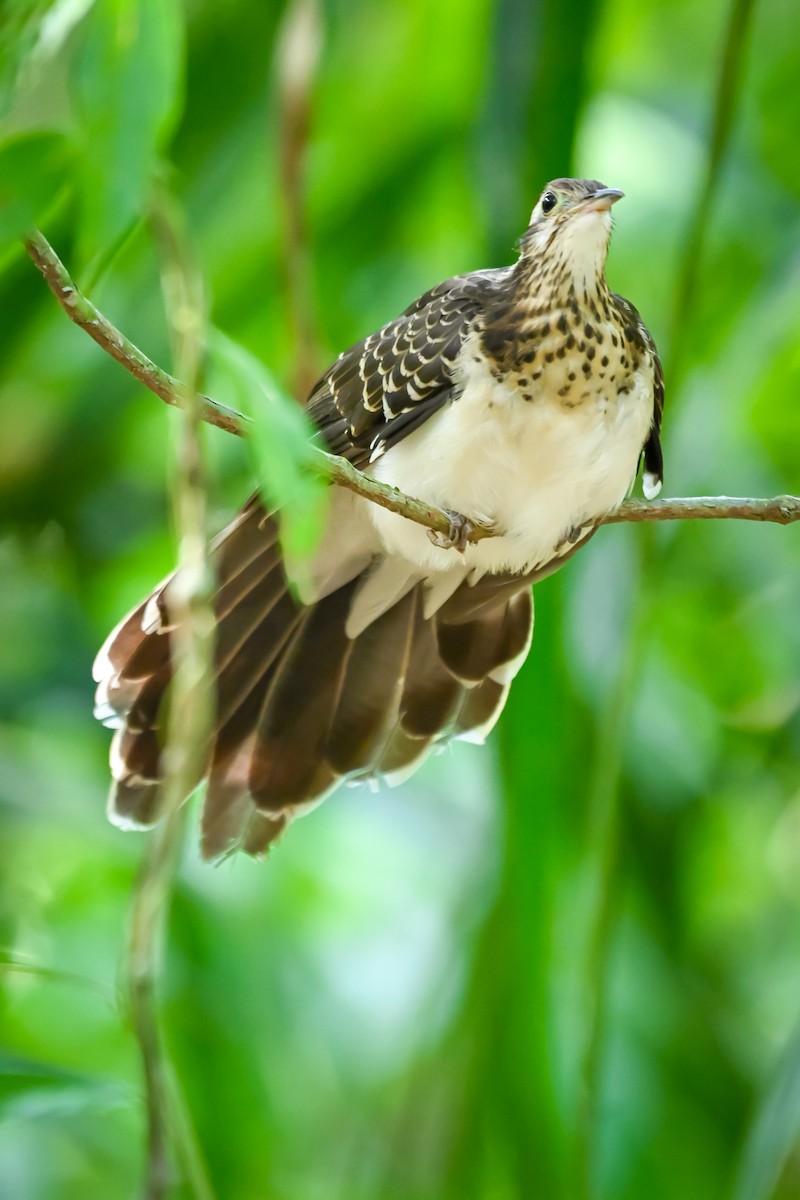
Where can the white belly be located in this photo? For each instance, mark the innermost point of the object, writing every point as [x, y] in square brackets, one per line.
[535, 468]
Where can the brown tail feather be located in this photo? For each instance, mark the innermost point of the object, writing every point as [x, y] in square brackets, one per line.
[430, 700]
[134, 803]
[247, 670]
[300, 704]
[150, 655]
[233, 592]
[230, 818]
[474, 649]
[470, 650]
[480, 708]
[371, 689]
[402, 755]
[296, 714]
[144, 710]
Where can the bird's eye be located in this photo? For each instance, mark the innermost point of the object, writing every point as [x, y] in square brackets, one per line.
[549, 202]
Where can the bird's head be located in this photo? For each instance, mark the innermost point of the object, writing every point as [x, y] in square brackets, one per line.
[570, 228]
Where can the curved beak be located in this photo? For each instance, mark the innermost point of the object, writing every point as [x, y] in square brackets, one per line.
[602, 199]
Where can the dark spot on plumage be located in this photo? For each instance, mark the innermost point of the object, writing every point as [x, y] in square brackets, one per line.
[588, 330]
[614, 341]
[495, 340]
[537, 374]
[562, 323]
[604, 361]
[581, 347]
[544, 329]
[587, 369]
[571, 376]
[590, 353]
[563, 391]
[631, 333]
[527, 396]
[549, 356]
[570, 342]
[575, 307]
[561, 351]
[521, 381]
[529, 357]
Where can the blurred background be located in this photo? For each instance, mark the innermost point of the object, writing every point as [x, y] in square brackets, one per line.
[563, 966]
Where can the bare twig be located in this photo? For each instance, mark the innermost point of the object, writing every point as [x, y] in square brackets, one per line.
[83, 313]
[782, 510]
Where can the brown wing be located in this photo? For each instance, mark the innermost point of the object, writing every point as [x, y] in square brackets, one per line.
[387, 385]
[653, 457]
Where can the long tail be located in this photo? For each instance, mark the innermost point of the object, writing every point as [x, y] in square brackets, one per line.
[304, 701]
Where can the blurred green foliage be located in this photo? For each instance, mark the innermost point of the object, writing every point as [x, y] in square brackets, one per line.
[564, 966]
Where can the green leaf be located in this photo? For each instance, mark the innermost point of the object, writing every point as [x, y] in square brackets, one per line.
[33, 169]
[17, 36]
[281, 443]
[11, 964]
[32, 34]
[127, 83]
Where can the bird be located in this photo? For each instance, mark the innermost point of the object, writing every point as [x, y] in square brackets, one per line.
[525, 397]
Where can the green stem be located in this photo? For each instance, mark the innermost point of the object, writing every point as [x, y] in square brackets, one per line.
[603, 841]
[190, 709]
[739, 18]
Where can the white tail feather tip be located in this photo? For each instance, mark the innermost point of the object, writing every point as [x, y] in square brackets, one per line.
[651, 485]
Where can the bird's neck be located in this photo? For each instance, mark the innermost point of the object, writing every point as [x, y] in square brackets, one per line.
[566, 283]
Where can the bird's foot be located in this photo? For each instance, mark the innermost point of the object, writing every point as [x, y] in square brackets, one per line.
[457, 535]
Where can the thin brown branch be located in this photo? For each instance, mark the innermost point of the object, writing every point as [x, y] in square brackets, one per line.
[108, 337]
[782, 510]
